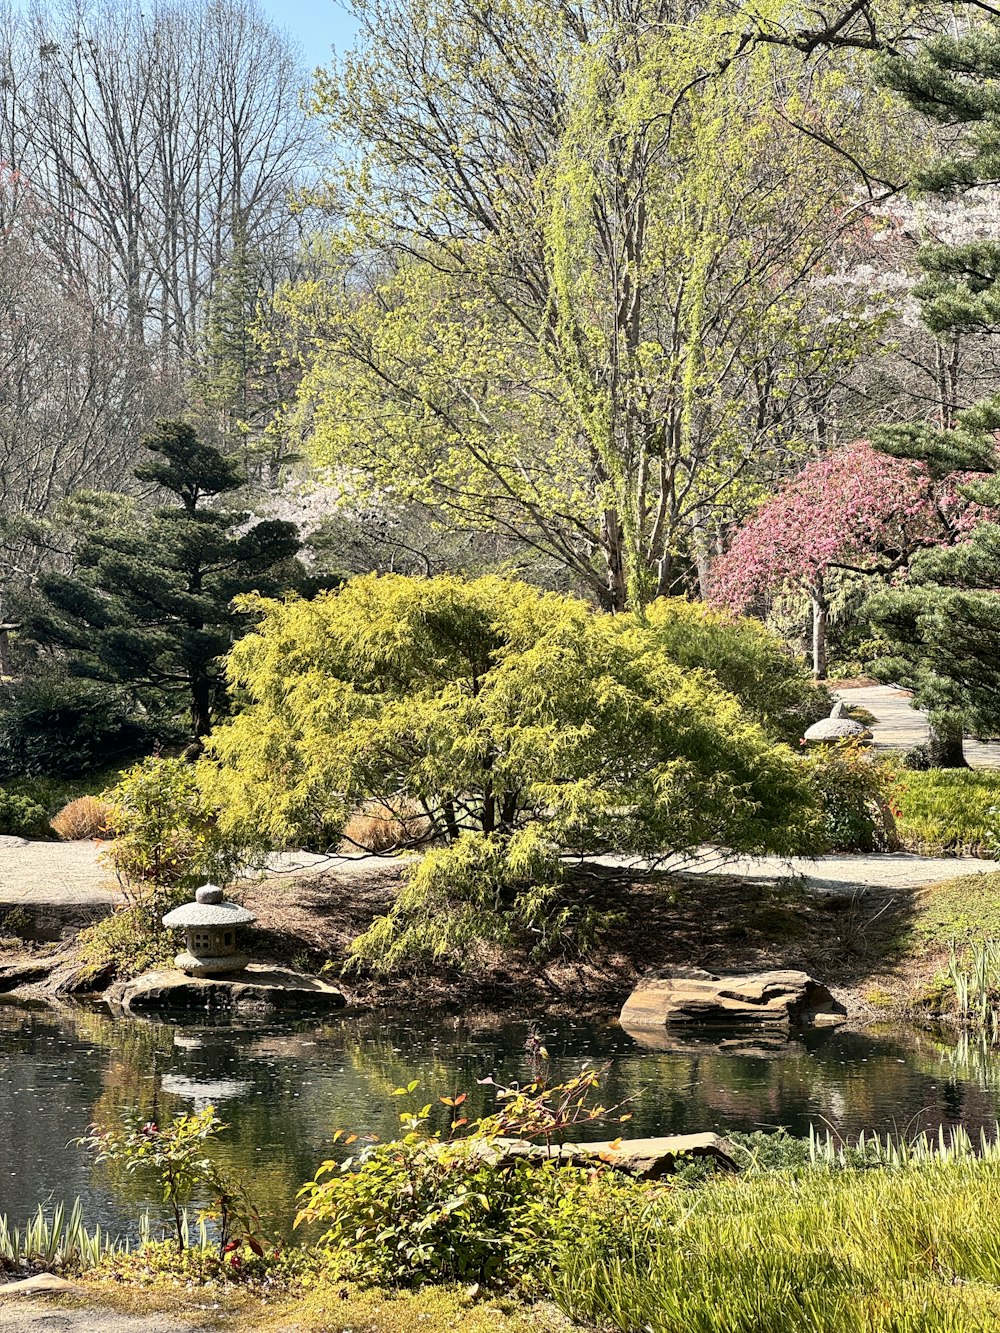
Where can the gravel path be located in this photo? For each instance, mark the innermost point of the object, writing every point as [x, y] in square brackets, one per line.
[32, 1316]
[901, 726]
[54, 874]
[49, 873]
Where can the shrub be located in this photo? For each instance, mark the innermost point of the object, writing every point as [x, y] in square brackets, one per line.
[432, 1208]
[167, 833]
[525, 724]
[22, 817]
[855, 788]
[86, 817]
[175, 1155]
[130, 941]
[949, 811]
[58, 725]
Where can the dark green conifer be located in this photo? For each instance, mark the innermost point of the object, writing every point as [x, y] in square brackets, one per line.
[148, 599]
[944, 626]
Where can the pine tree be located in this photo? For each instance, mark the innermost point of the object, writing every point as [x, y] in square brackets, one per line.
[148, 601]
[943, 627]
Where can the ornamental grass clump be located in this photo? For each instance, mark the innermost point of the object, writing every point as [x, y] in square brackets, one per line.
[54, 1242]
[524, 729]
[911, 1249]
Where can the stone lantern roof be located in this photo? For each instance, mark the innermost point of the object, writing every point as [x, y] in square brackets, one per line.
[208, 910]
[838, 726]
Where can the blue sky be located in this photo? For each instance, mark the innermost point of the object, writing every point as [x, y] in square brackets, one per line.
[316, 24]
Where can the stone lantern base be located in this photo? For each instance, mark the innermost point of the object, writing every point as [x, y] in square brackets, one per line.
[208, 966]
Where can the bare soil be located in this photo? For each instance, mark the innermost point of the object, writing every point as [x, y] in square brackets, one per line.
[722, 923]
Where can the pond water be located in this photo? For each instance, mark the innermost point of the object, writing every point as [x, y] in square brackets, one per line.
[283, 1088]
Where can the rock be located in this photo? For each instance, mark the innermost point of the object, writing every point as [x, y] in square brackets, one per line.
[40, 1285]
[24, 972]
[258, 989]
[688, 995]
[648, 1159]
[837, 727]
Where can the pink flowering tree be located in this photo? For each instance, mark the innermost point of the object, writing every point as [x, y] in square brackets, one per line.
[852, 509]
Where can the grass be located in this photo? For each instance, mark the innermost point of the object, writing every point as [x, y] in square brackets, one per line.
[963, 910]
[328, 1307]
[906, 1250]
[949, 811]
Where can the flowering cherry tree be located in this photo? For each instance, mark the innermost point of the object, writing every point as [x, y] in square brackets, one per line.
[854, 509]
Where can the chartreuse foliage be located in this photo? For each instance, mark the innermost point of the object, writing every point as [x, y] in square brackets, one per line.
[594, 315]
[910, 1249]
[523, 724]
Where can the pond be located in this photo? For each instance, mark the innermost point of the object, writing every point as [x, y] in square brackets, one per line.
[283, 1088]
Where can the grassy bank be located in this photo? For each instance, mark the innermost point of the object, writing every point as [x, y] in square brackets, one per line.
[953, 812]
[911, 1248]
[907, 1250]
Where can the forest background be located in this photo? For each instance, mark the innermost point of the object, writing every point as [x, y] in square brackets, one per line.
[572, 292]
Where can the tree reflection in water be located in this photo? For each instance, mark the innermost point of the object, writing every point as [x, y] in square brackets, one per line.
[284, 1087]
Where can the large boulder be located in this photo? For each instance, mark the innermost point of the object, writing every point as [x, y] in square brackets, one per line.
[690, 995]
[257, 989]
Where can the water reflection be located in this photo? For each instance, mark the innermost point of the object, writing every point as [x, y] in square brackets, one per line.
[284, 1087]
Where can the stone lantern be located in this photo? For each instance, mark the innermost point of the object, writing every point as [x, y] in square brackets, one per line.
[209, 925]
[839, 726]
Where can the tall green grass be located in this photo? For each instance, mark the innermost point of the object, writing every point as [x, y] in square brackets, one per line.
[952, 811]
[913, 1248]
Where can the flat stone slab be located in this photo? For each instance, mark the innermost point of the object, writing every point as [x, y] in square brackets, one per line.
[690, 995]
[257, 989]
[647, 1159]
[41, 1284]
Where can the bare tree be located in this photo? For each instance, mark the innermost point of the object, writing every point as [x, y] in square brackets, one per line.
[153, 135]
[75, 394]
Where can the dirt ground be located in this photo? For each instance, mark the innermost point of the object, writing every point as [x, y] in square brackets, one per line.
[720, 922]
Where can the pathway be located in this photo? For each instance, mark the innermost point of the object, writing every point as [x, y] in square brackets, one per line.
[20, 1316]
[839, 873]
[68, 873]
[901, 726]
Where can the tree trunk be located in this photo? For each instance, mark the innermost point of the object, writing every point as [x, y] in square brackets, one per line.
[821, 616]
[201, 706]
[944, 747]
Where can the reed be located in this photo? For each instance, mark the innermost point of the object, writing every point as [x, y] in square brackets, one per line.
[975, 976]
[907, 1248]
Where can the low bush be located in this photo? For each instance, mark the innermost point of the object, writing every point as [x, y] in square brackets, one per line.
[86, 817]
[855, 789]
[458, 1208]
[167, 833]
[949, 812]
[130, 941]
[377, 827]
[22, 817]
